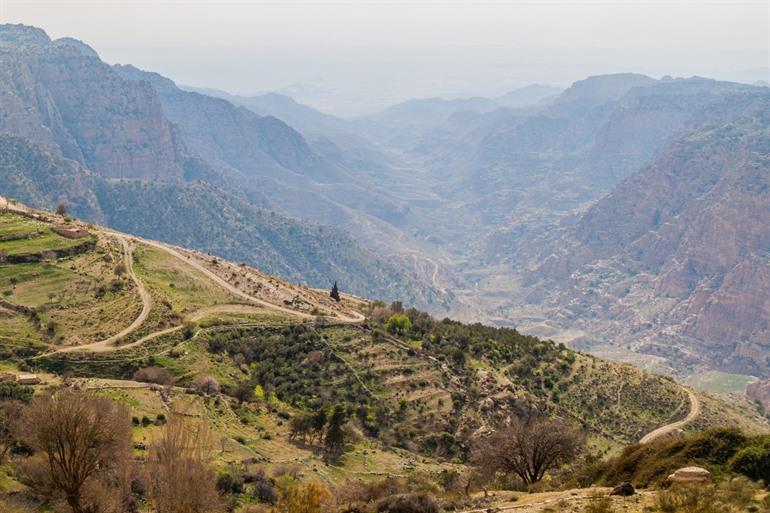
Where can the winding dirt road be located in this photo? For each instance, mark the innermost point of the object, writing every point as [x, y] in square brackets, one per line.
[355, 317]
[108, 343]
[223, 283]
[695, 409]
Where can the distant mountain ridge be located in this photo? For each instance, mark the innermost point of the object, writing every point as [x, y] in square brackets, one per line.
[686, 235]
[120, 151]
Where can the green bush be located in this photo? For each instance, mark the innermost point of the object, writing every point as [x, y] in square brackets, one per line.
[650, 464]
[11, 391]
[753, 462]
[399, 324]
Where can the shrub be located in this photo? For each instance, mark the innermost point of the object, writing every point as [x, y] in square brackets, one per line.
[157, 375]
[230, 482]
[399, 324]
[204, 384]
[753, 462]
[188, 331]
[12, 391]
[649, 464]
[263, 487]
[408, 503]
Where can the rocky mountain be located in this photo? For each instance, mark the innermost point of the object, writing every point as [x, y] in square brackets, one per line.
[201, 215]
[335, 139]
[114, 127]
[131, 150]
[262, 157]
[674, 261]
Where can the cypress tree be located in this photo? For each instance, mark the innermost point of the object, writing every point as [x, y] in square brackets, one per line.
[335, 293]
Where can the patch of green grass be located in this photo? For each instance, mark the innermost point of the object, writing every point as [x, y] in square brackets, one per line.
[720, 382]
[13, 225]
[184, 287]
[46, 241]
[36, 283]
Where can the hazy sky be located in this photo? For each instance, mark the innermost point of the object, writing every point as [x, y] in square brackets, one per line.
[356, 57]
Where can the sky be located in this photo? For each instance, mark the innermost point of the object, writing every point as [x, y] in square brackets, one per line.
[352, 58]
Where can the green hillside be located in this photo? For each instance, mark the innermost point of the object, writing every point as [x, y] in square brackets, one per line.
[257, 359]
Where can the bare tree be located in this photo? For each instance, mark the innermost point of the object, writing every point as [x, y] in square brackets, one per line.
[528, 447]
[177, 470]
[204, 384]
[85, 443]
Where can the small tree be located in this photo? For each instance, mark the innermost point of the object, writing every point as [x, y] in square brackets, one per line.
[319, 423]
[399, 324]
[335, 293]
[85, 443]
[178, 477]
[529, 447]
[334, 441]
[61, 209]
[206, 384]
[157, 375]
[301, 426]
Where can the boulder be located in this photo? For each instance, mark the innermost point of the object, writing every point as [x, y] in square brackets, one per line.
[624, 489]
[690, 475]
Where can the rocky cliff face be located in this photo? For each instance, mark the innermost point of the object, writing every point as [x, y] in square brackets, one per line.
[61, 96]
[679, 253]
[105, 141]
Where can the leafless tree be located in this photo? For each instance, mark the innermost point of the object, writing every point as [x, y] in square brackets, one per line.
[528, 447]
[84, 446]
[177, 470]
[206, 384]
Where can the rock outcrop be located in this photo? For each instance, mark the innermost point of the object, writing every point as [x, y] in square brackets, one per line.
[624, 489]
[689, 475]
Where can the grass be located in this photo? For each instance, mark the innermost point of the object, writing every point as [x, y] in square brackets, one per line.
[184, 287]
[36, 283]
[42, 237]
[13, 225]
[720, 382]
[75, 296]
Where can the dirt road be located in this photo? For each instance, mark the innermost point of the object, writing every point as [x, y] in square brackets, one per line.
[108, 343]
[695, 408]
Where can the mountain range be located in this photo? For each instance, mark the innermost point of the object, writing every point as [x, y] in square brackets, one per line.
[625, 215]
[179, 166]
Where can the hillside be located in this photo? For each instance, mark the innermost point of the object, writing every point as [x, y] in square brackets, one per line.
[203, 216]
[101, 305]
[674, 261]
[74, 130]
[252, 362]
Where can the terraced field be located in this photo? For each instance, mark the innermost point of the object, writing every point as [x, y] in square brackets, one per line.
[279, 350]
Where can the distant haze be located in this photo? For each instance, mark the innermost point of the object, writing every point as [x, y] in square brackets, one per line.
[352, 58]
